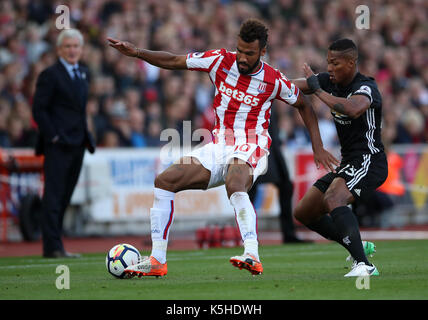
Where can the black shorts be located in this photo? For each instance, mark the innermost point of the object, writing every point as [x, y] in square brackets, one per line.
[363, 175]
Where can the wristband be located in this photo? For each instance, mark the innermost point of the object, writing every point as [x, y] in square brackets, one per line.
[313, 83]
[138, 53]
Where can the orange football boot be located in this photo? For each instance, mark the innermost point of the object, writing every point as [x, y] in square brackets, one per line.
[248, 262]
[148, 266]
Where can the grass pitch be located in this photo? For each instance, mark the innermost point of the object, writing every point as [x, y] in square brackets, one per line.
[300, 271]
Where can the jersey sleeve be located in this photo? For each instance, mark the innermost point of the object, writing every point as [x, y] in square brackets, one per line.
[287, 91]
[363, 89]
[203, 61]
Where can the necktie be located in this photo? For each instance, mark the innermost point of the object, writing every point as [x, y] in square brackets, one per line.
[78, 85]
[76, 74]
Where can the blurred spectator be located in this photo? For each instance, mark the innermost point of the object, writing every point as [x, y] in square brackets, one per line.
[411, 127]
[153, 134]
[132, 99]
[35, 45]
[137, 121]
[5, 108]
[22, 132]
[119, 117]
[15, 130]
[110, 139]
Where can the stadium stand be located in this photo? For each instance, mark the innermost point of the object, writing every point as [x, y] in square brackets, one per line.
[395, 54]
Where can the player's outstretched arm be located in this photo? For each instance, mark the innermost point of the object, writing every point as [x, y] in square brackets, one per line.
[161, 59]
[302, 84]
[353, 107]
[321, 156]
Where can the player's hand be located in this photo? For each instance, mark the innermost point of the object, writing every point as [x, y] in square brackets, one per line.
[307, 70]
[326, 159]
[311, 78]
[125, 47]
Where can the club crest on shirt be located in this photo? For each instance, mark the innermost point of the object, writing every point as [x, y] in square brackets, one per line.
[338, 114]
[341, 118]
[262, 87]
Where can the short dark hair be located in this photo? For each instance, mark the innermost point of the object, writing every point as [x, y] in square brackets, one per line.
[342, 45]
[252, 30]
[346, 46]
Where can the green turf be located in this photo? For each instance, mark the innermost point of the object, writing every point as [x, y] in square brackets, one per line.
[304, 271]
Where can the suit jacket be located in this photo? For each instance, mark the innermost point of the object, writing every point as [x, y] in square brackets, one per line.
[60, 109]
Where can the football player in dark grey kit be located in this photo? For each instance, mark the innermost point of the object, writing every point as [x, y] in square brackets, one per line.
[356, 106]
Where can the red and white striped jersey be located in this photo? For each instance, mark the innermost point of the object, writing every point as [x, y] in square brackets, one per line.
[242, 103]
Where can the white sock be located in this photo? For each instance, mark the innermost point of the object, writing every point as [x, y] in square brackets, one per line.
[247, 222]
[161, 219]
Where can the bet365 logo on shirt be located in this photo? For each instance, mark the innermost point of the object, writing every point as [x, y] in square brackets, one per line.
[238, 95]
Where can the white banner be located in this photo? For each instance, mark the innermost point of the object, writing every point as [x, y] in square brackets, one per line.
[117, 184]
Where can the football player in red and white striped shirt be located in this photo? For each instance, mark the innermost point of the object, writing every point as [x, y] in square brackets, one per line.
[245, 88]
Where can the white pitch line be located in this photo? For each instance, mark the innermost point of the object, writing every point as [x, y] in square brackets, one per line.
[84, 261]
[376, 235]
[394, 235]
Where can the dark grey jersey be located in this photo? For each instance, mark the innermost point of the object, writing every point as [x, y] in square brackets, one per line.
[363, 134]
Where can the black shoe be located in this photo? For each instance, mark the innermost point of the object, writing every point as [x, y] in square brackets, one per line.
[61, 254]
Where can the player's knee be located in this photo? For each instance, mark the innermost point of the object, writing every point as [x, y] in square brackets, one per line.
[333, 200]
[238, 179]
[235, 186]
[300, 215]
[297, 215]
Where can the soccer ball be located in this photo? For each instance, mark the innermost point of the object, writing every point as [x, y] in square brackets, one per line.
[120, 257]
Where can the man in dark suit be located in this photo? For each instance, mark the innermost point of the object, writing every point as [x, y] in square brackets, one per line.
[277, 173]
[59, 108]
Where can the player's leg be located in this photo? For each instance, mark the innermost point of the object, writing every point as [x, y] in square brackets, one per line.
[312, 212]
[188, 173]
[337, 199]
[364, 175]
[239, 177]
[238, 181]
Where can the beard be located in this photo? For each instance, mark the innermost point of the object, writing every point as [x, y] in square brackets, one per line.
[250, 69]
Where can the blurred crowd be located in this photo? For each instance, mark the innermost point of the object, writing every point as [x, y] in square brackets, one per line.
[131, 102]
